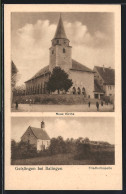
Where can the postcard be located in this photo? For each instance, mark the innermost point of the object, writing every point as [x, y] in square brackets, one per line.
[62, 74]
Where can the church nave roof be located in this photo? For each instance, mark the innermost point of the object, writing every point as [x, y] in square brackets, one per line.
[76, 66]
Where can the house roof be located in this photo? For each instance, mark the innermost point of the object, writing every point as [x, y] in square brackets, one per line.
[97, 87]
[107, 74]
[75, 66]
[14, 69]
[60, 32]
[39, 133]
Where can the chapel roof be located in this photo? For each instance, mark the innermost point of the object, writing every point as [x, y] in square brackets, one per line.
[39, 133]
[97, 87]
[107, 74]
[60, 32]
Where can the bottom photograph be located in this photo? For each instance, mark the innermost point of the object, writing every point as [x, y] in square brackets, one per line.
[62, 141]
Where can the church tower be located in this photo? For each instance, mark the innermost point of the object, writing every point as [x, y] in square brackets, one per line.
[60, 51]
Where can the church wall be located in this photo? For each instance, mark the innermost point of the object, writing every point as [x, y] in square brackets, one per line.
[37, 86]
[83, 79]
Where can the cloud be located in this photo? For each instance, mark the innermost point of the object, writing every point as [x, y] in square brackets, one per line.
[73, 128]
[79, 35]
[68, 127]
[31, 43]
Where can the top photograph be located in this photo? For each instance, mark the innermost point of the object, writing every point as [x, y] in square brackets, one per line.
[62, 62]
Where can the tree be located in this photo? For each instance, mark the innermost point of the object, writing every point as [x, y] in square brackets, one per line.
[20, 90]
[14, 71]
[57, 146]
[59, 81]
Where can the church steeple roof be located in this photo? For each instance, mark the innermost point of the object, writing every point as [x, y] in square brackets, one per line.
[60, 32]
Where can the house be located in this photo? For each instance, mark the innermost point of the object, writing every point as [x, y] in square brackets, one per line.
[104, 82]
[37, 137]
[60, 54]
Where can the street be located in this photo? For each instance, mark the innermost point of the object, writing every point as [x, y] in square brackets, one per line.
[61, 108]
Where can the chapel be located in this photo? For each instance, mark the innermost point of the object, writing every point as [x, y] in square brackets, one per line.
[37, 137]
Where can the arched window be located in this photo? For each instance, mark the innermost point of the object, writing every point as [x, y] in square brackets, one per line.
[83, 91]
[38, 89]
[74, 90]
[41, 88]
[35, 89]
[78, 90]
[29, 90]
[64, 50]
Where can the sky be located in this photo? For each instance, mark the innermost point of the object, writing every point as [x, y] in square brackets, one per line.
[91, 36]
[97, 129]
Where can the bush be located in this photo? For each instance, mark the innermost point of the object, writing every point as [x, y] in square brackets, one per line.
[98, 155]
[57, 146]
[22, 150]
[83, 151]
[103, 158]
[37, 99]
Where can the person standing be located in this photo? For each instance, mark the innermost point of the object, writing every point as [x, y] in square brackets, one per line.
[16, 105]
[97, 105]
[89, 103]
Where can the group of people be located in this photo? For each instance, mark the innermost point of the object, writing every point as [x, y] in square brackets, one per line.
[27, 101]
[97, 104]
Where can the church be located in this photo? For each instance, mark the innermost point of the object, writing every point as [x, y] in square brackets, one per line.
[60, 54]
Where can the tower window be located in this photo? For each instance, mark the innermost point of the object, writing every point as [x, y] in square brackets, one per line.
[64, 50]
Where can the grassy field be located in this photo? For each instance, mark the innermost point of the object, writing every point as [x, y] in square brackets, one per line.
[98, 158]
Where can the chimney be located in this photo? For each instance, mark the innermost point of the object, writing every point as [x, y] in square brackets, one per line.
[42, 125]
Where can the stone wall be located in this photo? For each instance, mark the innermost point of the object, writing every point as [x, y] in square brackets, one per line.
[51, 99]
